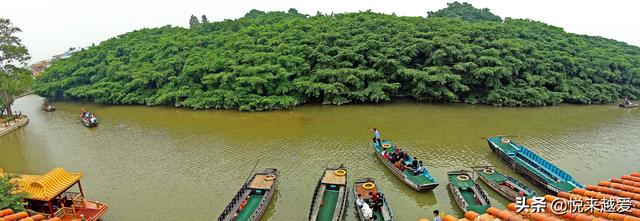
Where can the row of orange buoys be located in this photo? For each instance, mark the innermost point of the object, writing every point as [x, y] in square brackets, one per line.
[625, 187]
[8, 215]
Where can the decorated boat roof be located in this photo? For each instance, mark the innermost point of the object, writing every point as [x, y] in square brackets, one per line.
[46, 187]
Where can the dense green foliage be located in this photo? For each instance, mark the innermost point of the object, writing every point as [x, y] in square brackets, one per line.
[13, 80]
[276, 60]
[466, 12]
[9, 197]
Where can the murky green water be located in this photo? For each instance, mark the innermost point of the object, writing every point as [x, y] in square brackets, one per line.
[161, 163]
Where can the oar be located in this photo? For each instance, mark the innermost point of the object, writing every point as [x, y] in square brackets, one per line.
[251, 173]
[484, 138]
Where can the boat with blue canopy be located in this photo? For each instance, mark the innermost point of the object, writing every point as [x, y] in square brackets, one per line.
[536, 169]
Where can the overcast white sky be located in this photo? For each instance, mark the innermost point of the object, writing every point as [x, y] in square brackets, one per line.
[51, 27]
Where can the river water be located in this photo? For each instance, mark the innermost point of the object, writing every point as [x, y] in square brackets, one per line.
[164, 163]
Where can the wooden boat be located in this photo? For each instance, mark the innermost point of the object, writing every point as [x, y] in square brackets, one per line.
[631, 105]
[47, 107]
[253, 198]
[467, 193]
[87, 122]
[330, 196]
[420, 182]
[505, 185]
[536, 169]
[364, 187]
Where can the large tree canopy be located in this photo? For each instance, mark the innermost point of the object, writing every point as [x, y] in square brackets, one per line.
[13, 80]
[276, 60]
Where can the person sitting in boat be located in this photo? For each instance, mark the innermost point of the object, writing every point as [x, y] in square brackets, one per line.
[386, 155]
[414, 163]
[374, 197]
[367, 212]
[400, 155]
[406, 157]
[377, 205]
[359, 201]
[398, 164]
[419, 170]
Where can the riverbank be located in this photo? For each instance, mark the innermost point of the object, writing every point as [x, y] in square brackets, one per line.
[4, 130]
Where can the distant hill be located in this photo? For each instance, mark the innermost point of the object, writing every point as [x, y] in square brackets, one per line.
[277, 60]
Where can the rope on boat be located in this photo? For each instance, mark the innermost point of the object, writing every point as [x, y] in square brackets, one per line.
[340, 172]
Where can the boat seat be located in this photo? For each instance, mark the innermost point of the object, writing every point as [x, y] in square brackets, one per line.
[260, 182]
[331, 178]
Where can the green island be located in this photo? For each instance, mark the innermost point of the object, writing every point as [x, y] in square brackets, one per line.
[276, 60]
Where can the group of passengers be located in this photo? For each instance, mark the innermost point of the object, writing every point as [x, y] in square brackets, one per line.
[403, 161]
[88, 116]
[370, 205]
[400, 159]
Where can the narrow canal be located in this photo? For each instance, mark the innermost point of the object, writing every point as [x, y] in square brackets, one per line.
[162, 163]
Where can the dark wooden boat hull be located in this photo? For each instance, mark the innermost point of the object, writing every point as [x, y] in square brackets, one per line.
[628, 105]
[401, 176]
[227, 213]
[359, 212]
[341, 204]
[457, 195]
[508, 193]
[531, 177]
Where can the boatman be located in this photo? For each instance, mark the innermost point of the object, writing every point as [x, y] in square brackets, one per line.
[376, 136]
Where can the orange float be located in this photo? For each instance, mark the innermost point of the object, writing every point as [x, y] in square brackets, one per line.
[16, 216]
[449, 218]
[471, 215]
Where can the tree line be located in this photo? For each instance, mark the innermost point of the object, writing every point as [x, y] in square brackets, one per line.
[275, 60]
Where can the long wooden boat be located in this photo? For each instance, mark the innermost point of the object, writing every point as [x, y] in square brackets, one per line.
[536, 169]
[631, 105]
[420, 182]
[505, 185]
[253, 198]
[330, 196]
[467, 193]
[364, 187]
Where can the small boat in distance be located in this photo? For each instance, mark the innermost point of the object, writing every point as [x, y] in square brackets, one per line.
[505, 185]
[330, 196]
[47, 107]
[253, 198]
[467, 193]
[420, 182]
[88, 119]
[629, 105]
[364, 187]
[536, 169]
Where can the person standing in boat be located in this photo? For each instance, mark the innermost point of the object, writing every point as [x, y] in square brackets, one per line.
[376, 136]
